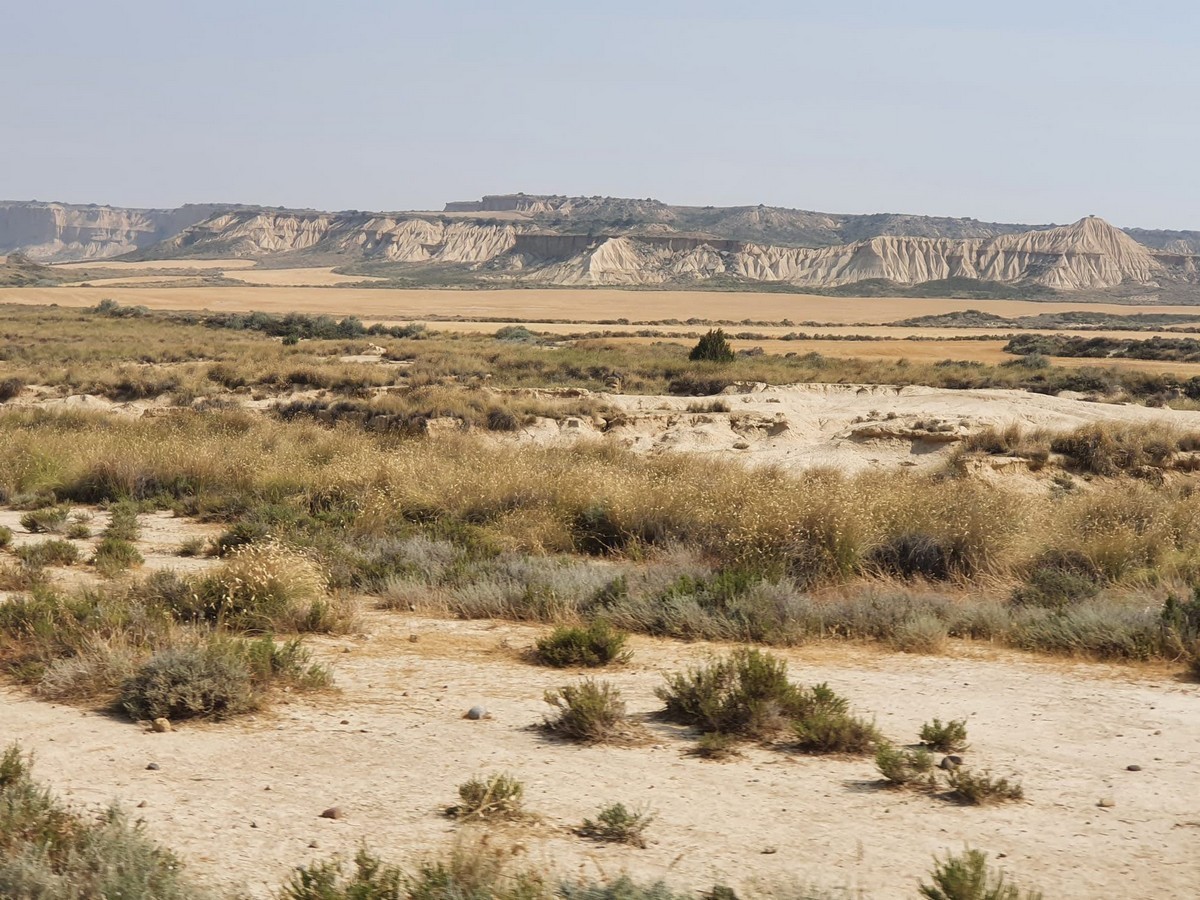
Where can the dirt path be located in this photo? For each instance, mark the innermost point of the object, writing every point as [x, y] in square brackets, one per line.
[241, 800]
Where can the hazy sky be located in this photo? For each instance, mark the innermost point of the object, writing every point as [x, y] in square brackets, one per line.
[1007, 110]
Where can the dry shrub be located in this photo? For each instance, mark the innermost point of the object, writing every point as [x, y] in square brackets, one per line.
[967, 877]
[980, 788]
[498, 796]
[590, 711]
[905, 768]
[271, 587]
[616, 824]
[216, 678]
[748, 694]
[945, 737]
[1109, 448]
[48, 850]
[114, 556]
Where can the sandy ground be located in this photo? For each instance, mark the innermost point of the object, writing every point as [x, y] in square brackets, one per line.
[241, 800]
[848, 427]
[535, 303]
[160, 537]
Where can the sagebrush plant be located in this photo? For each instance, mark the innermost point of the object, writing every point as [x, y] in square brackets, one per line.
[714, 745]
[982, 788]
[5, 536]
[590, 711]
[48, 553]
[217, 678]
[747, 694]
[966, 876]
[902, 767]
[592, 645]
[618, 824]
[48, 850]
[49, 519]
[498, 796]
[123, 521]
[115, 555]
[470, 870]
[945, 737]
[826, 730]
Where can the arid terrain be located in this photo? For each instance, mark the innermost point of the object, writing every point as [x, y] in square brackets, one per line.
[242, 800]
[894, 494]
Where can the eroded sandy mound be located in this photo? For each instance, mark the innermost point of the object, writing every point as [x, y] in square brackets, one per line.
[850, 427]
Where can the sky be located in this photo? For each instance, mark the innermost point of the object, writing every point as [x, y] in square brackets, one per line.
[1012, 111]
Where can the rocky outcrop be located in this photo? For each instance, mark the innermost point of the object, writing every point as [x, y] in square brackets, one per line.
[520, 238]
[61, 232]
[1090, 254]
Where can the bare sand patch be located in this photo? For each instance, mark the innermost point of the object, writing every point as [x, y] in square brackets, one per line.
[241, 800]
[847, 427]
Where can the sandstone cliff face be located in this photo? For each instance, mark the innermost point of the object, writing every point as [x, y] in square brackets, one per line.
[358, 236]
[59, 232]
[1090, 254]
[614, 241]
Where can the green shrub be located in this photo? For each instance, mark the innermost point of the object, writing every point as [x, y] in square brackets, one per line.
[834, 731]
[966, 877]
[905, 768]
[626, 889]
[618, 825]
[715, 745]
[48, 520]
[48, 553]
[713, 347]
[79, 531]
[50, 851]
[596, 644]
[950, 737]
[208, 680]
[217, 678]
[115, 555]
[5, 536]
[498, 796]
[192, 547]
[591, 711]
[745, 694]
[123, 521]
[978, 789]
[371, 880]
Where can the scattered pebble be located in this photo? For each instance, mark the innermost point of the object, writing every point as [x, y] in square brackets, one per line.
[1133, 768]
[161, 725]
[153, 767]
[345, 721]
[1106, 803]
[334, 812]
[950, 762]
[142, 805]
[477, 712]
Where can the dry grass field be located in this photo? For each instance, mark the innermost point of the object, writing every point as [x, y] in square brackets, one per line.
[312, 546]
[535, 304]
